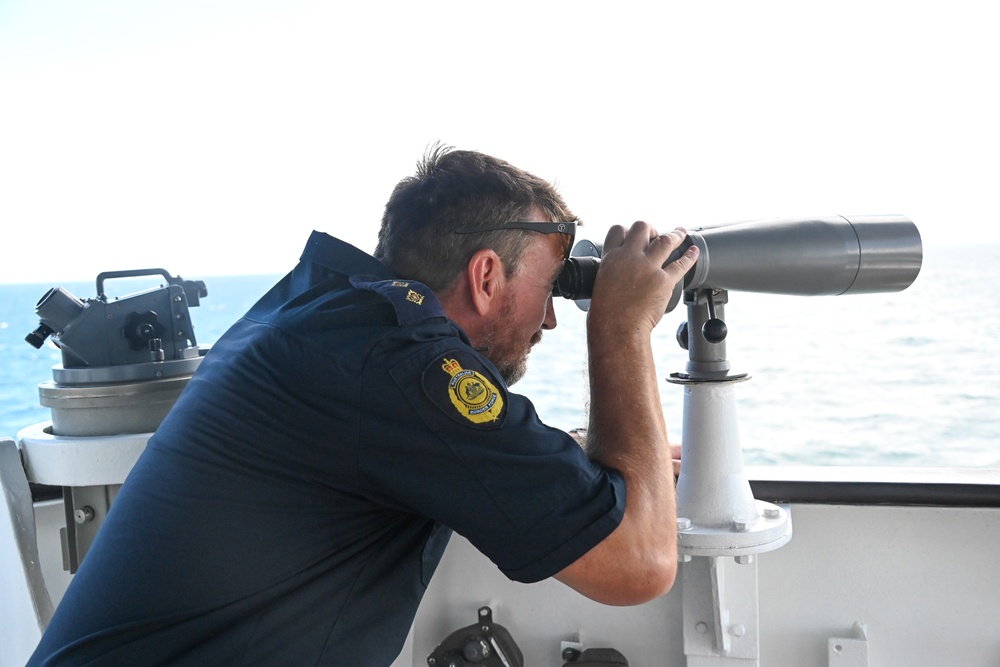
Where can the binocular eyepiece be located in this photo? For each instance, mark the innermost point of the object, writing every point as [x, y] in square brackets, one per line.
[578, 274]
[798, 256]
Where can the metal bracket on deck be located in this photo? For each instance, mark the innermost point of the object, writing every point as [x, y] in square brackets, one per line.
[26, 607]
[849, 651]
[721, 616]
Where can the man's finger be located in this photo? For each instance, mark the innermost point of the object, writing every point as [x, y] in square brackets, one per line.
[682, 264]
[615, 237]
[664, 244]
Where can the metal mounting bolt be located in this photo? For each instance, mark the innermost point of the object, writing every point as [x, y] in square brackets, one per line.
[744, 560]
[571, 654]
[84, 514]
[772, 512]
[742, 526]
[738, 630]
[683, 523]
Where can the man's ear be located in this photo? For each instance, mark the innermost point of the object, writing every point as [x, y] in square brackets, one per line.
[486, 280]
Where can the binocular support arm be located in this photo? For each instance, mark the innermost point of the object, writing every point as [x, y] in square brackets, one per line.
[713, 493]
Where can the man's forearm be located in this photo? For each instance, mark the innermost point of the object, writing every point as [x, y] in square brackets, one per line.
[638, 560]
[627, 432]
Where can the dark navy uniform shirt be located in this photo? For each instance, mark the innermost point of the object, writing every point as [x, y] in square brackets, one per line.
[293, 505]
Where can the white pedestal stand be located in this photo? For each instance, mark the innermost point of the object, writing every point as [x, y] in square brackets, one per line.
[720, 526]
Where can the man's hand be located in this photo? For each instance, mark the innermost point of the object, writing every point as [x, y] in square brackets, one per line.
[633, 287]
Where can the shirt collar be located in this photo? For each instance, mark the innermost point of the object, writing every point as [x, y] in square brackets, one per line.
[342, 257]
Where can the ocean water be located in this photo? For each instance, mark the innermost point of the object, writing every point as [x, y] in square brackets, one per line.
[904, 379]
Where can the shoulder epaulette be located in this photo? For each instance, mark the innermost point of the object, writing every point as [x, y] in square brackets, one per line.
[412, 300]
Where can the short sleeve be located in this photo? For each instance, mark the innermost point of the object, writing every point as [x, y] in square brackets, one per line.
[458, 447]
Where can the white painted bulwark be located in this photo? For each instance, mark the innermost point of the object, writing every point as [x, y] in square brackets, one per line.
[923, 580]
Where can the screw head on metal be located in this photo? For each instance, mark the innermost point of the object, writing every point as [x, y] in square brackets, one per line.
[683, 523]
[772, 512]
[742, 526]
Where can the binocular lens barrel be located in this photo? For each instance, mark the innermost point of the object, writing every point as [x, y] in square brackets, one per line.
[798, 256]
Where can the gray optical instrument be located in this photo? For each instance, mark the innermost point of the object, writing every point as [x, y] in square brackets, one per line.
[798, 256]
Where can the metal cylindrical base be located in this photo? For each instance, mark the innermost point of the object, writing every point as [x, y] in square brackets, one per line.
[770, 529]
[110, 409]
[713, 490]
[717, 513]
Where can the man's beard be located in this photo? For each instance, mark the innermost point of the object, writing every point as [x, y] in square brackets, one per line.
[510, 358]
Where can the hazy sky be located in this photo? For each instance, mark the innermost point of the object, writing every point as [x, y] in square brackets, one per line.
[210, 137]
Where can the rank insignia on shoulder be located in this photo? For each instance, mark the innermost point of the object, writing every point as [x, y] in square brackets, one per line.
[462, 386]
[412, 301]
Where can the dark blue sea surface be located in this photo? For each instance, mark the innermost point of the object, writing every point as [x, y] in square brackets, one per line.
[904, 379]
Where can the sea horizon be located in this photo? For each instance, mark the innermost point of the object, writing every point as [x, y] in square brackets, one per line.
[900, 379]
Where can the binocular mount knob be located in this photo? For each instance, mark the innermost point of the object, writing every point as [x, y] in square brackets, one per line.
[714, 330]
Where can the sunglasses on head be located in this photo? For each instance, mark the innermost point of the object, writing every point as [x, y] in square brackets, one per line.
[567, 228]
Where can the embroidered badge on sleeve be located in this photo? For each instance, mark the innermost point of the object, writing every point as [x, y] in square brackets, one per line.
[461, 386]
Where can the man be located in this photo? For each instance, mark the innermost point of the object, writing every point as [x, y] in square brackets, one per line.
[293, 506]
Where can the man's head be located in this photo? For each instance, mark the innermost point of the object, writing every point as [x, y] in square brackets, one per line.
[461, 190]
[454, 227]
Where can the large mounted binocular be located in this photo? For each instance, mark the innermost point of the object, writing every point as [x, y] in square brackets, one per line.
[799, 256]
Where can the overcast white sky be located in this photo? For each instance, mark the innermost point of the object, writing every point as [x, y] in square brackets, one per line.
[209, 137]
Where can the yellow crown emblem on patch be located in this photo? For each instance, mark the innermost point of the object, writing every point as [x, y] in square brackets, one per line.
[474, 396]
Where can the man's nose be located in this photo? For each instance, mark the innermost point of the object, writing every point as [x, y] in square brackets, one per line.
[550, 315]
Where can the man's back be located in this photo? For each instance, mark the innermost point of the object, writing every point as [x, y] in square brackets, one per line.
[290, 509]
[241, 526]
